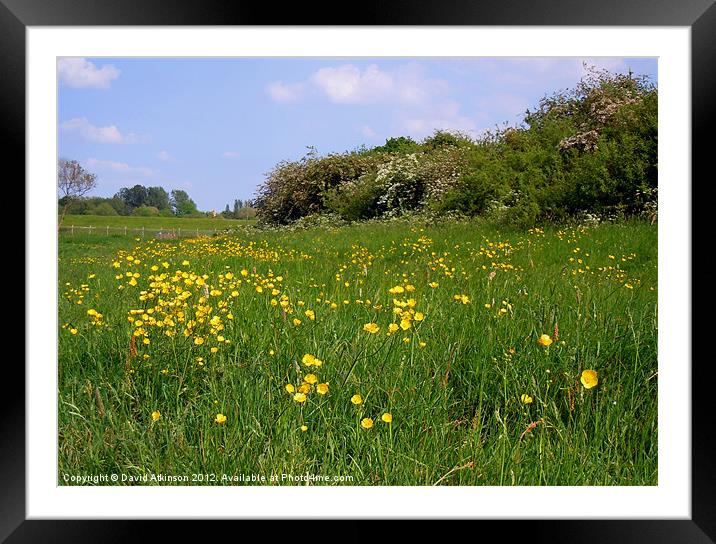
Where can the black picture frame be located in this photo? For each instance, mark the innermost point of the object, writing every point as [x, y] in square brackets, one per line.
[698, 15]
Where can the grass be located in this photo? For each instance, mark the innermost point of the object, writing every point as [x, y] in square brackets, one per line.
[132, 222]
[452, 381]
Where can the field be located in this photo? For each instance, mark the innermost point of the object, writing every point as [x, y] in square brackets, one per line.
[379, 354]
[152, 223]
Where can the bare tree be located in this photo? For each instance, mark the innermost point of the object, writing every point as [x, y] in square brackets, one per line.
[73, 181]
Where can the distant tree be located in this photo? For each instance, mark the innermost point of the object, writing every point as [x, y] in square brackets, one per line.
[237, 208]
[119, 205]
[134, 197]
[73, 182]
[181, 203]
[104, 208]
[403, 144]
[157, 197]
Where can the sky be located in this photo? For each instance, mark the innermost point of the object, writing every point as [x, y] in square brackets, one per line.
[215, 127]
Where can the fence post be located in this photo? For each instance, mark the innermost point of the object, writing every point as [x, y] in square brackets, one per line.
[107, 230]
[90, 229]
[142, 231]
[197, 232]
[179, 230]
[125, 230]
[72, 229]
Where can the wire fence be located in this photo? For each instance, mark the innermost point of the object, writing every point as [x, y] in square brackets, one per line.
[154, 232]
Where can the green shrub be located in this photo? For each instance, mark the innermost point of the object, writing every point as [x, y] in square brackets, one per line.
[146, 211]
[104, 208]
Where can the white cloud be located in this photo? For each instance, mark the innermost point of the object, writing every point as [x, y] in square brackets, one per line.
[231, 154]
[103, 135]
[97, 164]
[81, 73]
[406, 85]
[347, 85]
[549, 71]
[444, 115]
[285, 92]
[368, 132]
[164, 155]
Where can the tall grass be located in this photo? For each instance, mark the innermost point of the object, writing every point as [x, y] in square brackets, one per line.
[454, 387]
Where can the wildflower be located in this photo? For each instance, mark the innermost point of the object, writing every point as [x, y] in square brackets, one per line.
[310, 378]
[310, 315]
[296, 322]
[322, 388]
[220, 419]
[387, 417]
[589, 379]
[198, 341]
[299, 397]
[393, 327]
[405, 324]
[371, 328]
[304, 428]
[73, 331]
[304, 388]
[419, 316]
[290, 388]
[526, 399]
[357, 399]
[433, 284]
[156, 415]
[310, 360]
[544, 340]
[366, 423]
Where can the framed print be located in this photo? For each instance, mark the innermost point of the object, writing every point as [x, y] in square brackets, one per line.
[273, 373]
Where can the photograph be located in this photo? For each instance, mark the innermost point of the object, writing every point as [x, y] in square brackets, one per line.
[357, 271]
[426, 264]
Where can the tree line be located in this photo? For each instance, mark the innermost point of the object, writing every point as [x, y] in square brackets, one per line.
[74, 182]
[590, 150]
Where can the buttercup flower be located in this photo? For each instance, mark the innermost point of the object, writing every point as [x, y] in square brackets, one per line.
[356, 399]
[387, 417]
[156, 415]
[372, 328]
[366, 423]
[589, 379]
[304, 388]
[526, 399]
[220, 419]
[322, 388]
[544, 340]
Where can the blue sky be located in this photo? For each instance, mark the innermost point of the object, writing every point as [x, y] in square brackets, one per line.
[215, 127]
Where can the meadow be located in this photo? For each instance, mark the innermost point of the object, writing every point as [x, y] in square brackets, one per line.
[374, 354]
[152, 223]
